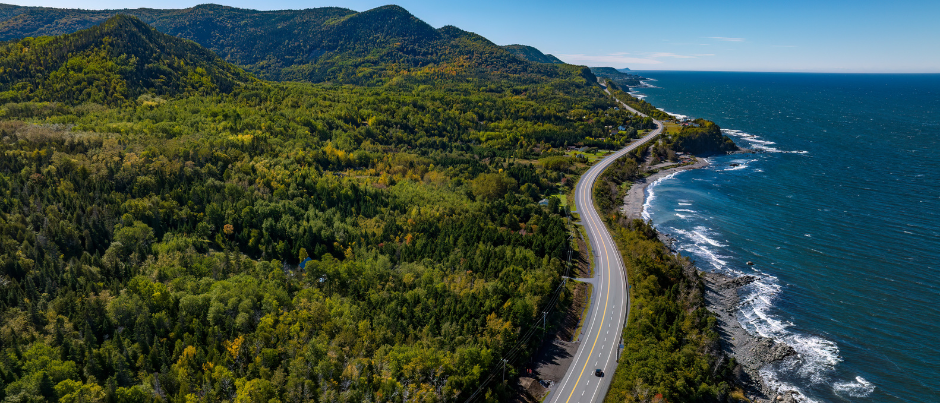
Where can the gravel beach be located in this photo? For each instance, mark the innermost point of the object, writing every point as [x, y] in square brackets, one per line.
[636, 196]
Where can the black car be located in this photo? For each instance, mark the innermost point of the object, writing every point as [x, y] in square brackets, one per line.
[598, 372]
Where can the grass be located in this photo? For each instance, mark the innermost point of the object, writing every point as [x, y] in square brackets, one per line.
[563, 198]
[591, 157]
[672, 128]
[587, 308]
[589, 251]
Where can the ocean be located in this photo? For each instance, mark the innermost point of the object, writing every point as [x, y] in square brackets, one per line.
[839, 212]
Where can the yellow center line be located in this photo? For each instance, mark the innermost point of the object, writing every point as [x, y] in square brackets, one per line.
[603, 313]
[607, 296]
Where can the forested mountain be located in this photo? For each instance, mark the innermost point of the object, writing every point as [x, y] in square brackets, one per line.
[620, 78]
[531, 54]
[155, 249]
[322, 44]
[111, 63]
[174, 230]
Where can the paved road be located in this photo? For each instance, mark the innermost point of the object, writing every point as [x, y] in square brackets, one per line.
[601, 338]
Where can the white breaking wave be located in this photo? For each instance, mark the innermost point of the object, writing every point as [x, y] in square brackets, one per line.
[675, 115]
[774, 384]
[816, 357]
[742, 164]
[859, 388]
[758, 143]
[651, 194]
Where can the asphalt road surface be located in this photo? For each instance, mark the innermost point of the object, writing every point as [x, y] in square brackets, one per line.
[600, 340]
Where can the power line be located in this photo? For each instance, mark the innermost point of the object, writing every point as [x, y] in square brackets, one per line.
[513, 352]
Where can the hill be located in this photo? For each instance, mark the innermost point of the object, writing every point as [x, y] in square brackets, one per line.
[322, 44]
[110, 63]
[618, 77]
[531, 54]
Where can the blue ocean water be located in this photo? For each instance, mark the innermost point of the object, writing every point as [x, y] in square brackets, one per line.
[840, 214]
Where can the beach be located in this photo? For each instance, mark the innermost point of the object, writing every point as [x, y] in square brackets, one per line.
[636, 196]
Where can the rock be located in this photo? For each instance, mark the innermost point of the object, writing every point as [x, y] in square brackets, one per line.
[738, 282]
[787, 397]
[767, 351]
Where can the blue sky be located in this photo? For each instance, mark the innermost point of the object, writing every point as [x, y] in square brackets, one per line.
[795, 35]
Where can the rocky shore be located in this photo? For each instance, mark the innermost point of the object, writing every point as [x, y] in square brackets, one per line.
[722, 297]
[751, 352]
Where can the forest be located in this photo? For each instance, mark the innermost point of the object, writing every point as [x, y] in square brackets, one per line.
[327, 44]
[260, 241]
[174, 229]
[671, 350]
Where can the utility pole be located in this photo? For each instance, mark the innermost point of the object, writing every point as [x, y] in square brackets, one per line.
[504, 370]
[544, 323]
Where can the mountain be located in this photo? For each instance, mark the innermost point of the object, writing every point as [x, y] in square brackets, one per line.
[110, 63]
[531, 54]
[618, 77]
[623, 70]
[321, 44]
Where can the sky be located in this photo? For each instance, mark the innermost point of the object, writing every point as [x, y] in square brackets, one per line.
[859, 36]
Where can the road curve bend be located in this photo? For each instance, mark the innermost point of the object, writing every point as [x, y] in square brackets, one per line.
[610, 301]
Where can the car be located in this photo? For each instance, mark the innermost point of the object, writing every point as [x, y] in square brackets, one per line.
[598, 372]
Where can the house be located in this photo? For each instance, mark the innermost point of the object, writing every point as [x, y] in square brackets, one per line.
[543, 202]
[621, 128]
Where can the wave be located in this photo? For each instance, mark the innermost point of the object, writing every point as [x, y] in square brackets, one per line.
[675, 115]
[651, 194]
[859, 388]
[816, 357]
[741, 164]
[758, 143]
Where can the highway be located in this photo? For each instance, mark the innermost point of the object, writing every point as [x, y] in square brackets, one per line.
[600, 340]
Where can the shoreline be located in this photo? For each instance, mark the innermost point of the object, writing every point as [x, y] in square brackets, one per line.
[636, 197]
[751, 352]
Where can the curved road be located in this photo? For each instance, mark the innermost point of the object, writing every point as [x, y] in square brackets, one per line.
[610, 302]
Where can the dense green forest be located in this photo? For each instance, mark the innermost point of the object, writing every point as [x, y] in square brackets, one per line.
[636, 103]
[174, 229]
[322, 44]
[531, 54]
[154, 241]
[619, 78]
[109, 64]
[670, 341]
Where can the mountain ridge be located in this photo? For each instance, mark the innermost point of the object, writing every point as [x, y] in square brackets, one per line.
[532, 54]
[110, 63]
[329, 44]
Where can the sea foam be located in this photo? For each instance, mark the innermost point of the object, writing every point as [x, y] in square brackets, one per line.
[757, 143]
[816, 356]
